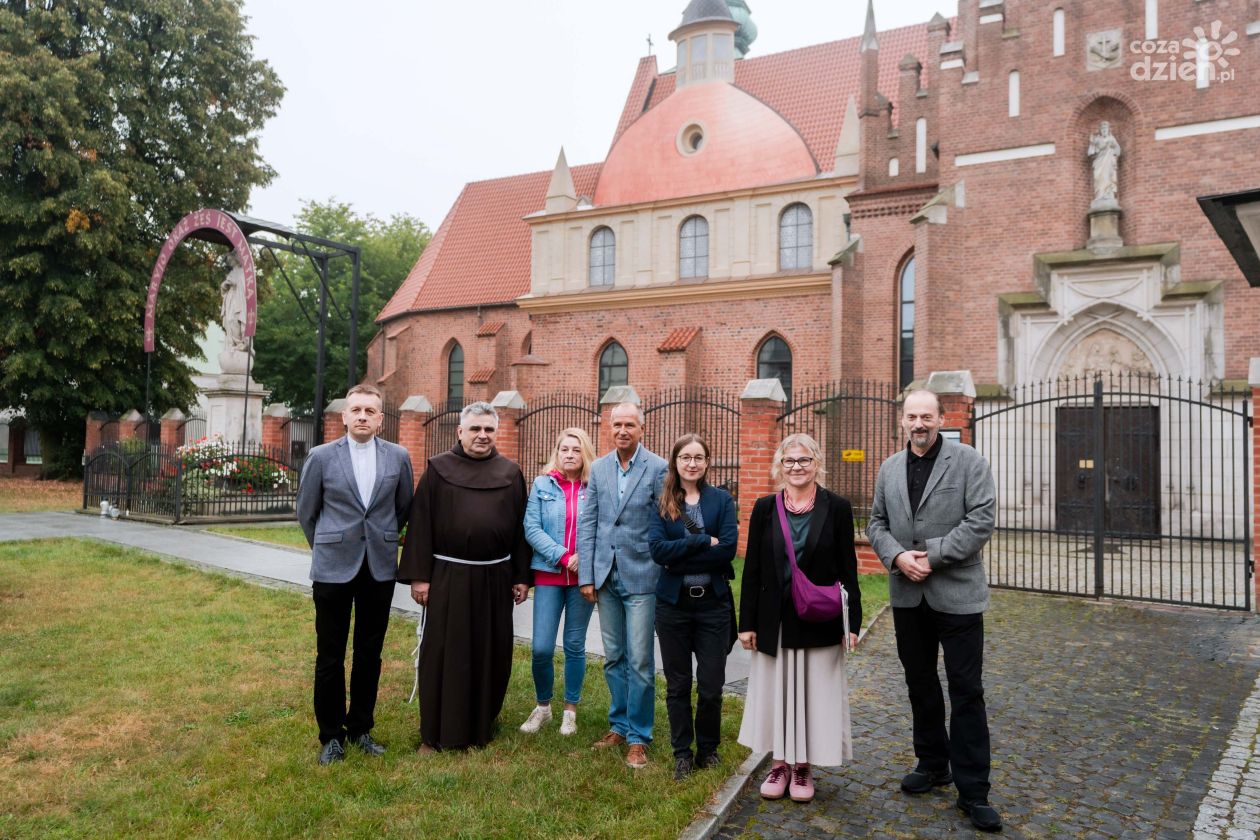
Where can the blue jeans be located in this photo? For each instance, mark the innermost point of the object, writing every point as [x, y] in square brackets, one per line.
[626, 623]
[549, 602]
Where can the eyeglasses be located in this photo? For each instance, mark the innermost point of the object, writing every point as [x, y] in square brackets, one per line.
[692, 459]
[797, 463]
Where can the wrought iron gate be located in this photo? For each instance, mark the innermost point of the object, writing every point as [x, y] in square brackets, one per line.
[709, 412]
[856, 424]
[546, 418]
[1122, 485]
[441, 429]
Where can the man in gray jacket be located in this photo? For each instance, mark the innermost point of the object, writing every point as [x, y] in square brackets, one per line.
[933, 513]
[353, 499]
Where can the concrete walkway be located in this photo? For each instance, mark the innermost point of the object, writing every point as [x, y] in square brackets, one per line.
[268, 563]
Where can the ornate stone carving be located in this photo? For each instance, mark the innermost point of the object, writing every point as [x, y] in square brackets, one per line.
[1103, 49]
[1105, 352]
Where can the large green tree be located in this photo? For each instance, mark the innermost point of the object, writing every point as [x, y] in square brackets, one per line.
[287, 340]
[117, 117]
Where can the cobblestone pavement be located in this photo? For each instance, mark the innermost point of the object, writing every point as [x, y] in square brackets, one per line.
[1107, 720]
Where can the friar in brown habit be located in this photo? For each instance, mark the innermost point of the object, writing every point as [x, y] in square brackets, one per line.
[467, 561]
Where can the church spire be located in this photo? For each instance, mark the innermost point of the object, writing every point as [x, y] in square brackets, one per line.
[561, 195]
[869, 41]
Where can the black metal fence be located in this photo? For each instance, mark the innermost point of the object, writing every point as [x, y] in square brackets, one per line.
[545, 418]
[1124, 485]
[856, 423]
[440, 430]
[298, 438]
[389, 423]
[192, 429]
[711, 413]
[205, 480]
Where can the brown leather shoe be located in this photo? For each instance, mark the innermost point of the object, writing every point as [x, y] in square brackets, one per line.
[610, 739]
[636, 757]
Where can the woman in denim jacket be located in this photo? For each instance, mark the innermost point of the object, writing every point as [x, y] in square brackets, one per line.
[551, 528]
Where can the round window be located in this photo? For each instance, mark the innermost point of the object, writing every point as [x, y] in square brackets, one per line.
[691, 139]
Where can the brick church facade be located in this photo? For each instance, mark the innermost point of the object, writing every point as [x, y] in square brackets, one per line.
[871, 208]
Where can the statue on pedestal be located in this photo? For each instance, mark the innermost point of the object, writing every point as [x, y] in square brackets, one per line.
[237, 351]
[1104, 149]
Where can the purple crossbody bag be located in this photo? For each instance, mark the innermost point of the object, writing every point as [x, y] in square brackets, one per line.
[812, 602]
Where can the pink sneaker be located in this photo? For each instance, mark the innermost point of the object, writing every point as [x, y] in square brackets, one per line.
[802, 787]
[776, 782]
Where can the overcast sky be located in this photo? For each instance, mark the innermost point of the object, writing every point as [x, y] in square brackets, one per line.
[393, 106]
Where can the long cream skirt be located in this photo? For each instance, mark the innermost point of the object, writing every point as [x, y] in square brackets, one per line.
[797, 707]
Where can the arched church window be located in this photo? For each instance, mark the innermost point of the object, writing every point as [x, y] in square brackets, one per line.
[455, 375]
[905, 344]
[693, 248]
[796, 237]
[603, 257]
[774, 361]
[614, 368]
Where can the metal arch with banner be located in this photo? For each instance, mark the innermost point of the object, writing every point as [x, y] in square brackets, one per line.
[205, 219]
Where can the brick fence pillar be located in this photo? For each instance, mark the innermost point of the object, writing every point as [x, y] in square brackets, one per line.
[129, 425]
[274, 419]
[957, 391]
[412, 415]
[1253, 379]
[171, 421]
[333, 425]
[510, 405]
[616, 395]
[760, 406]
[96, 421]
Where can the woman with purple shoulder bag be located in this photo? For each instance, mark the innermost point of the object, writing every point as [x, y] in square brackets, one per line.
[798, 623]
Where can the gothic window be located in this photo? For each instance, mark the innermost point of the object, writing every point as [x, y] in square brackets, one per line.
[693, 248]
[614, 368]
[905, 346]
[774, 361]
[796, 238]
[603, 257]
[455, 375]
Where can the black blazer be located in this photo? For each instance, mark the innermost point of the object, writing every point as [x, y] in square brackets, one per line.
[683, 553]
[766, 602]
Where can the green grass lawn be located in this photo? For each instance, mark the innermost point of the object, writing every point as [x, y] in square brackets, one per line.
[288, 535]
[146, 699]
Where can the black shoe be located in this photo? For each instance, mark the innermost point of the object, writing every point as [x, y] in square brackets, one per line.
[332, 751]
[983, 815]
[365, 743]
[683, 767]
[921, 781]
[707, 760]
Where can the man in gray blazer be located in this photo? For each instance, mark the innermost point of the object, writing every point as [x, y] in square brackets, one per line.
[353, 499]
[615, 568]
[933, 513]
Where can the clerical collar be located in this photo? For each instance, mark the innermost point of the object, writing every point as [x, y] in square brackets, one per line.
[358, 445]
[930, 455]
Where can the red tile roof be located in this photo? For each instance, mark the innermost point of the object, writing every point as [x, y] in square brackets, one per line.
[481, 376]
[491, 328]
[679, 339]
[480, 254]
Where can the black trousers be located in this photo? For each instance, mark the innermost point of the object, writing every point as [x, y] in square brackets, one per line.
[699, 626]
[370, 600]
[920, 632]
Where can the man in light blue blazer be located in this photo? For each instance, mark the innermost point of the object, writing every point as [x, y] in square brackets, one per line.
[353, 499]
[615, 568]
